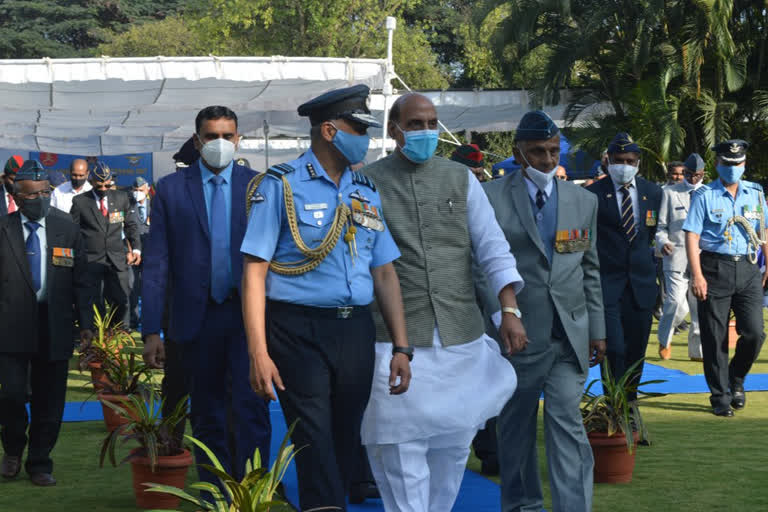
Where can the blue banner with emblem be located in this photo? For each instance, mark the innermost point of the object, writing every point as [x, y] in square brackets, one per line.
[125, 168]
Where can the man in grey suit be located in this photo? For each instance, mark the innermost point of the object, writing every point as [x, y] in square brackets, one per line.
[670, 239]
[551, 227]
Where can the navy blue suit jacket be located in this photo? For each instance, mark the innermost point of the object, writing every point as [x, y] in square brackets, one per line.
[178, 251]
[623, 264]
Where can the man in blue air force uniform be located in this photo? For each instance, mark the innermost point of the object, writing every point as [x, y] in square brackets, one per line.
[727, 223]
[316, 250]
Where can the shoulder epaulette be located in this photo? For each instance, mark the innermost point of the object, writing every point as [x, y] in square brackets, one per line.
[362, 179]
[700, 190]
[279, 170]
[756, 186]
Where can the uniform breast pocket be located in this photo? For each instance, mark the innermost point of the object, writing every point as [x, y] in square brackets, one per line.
[715, 216]
[313, 224]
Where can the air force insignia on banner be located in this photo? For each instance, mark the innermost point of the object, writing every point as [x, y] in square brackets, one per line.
[361, 179]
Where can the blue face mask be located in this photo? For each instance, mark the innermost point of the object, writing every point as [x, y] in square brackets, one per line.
[353, 147]
[731, 173]
[420, 145]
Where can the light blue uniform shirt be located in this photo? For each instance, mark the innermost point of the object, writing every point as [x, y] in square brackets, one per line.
[713, 205]
[338, 280]
[208, 189]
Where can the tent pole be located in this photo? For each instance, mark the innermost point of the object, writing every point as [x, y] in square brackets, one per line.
[389, 75]
[266, 145]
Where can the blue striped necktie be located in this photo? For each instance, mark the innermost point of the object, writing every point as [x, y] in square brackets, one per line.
[627, 213]
[33, 254]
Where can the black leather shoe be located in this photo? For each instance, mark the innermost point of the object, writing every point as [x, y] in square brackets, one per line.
[43, 479]
[10, 466]
[722, 410]
[738, 397]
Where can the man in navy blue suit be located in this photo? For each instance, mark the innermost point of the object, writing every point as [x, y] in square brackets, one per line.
[198, 224]
[628, 208]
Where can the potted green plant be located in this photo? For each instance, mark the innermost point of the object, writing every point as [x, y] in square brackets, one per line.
[159, 456]
[614, 424]
[109, 340]
[124, 376]
[256, 492]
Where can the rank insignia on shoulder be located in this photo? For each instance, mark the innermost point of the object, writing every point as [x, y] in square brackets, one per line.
[311, 170]
[650, 218]
[279, 170]
[360, 197]
[257, 198]
[361, 179]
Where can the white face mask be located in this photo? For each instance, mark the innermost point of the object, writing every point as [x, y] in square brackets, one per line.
[139, 196]
[622, 174]
[217, 153]
[540, 178]
[691, 186]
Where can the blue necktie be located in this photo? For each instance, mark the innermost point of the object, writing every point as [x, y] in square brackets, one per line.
[33, 253]
[220, 285]
[628, 214]
[142, 214]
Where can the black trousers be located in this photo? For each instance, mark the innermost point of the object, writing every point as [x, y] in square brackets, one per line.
[737, 286]
[134, 274]
[111, 284]
[326, 364]
[48, 381]
[176, 383]
[628, 328]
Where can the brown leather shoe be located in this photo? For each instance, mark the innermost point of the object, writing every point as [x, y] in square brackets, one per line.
[42, 479]
[665, 352]
[10, 466]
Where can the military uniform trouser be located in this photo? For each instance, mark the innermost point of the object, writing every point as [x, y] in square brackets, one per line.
[325, 360]
[737, 286]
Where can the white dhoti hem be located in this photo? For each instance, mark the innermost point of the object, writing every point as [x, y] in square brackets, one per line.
[418, 442]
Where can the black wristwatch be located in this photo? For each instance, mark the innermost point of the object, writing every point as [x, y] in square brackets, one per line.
[408, 351]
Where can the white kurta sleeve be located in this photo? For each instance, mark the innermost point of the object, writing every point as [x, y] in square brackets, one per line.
[490, 248]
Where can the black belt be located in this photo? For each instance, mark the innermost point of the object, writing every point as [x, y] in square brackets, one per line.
[233, 294]
[724, 257]
[342, 312]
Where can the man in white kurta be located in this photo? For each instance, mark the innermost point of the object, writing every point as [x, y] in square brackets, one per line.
[418, 443]
[78, 183]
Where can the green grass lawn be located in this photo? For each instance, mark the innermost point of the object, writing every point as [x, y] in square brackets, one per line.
[698, 462]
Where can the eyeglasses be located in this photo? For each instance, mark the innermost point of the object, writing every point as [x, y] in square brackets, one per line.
[35, 195]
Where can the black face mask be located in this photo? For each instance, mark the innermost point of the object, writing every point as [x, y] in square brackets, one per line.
[37, 208]
[101, 193]
[76, 184]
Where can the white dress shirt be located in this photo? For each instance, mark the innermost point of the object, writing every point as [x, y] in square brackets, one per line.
[42, 292]
[63, 194]
[632, 195]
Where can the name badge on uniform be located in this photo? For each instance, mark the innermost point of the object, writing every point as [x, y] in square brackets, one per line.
[63, 257]
[650, 218]
[366, 215]
[573, 240]
[116, 217]
[679, 207]
[316, 206]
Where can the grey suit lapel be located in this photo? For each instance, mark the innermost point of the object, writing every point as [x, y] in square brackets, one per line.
[522, 204]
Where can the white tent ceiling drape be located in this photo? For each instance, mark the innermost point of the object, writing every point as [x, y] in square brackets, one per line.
[111, 106]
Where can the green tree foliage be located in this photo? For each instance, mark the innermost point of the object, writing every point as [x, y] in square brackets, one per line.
[171, 37]
[69, 28]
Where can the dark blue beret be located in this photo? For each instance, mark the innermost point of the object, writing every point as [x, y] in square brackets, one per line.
[56, 178]
[623, 143]
[694, 163]
[536, 125]
[31, 170]
[347, 103]
[100, 172]
[732, 151]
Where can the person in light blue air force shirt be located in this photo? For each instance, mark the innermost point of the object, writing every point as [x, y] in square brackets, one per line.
[316, 250]
[725, 228]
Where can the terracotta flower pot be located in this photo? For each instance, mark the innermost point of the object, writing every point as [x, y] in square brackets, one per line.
[733, 336]
[97, 377]
[170, 470]
[613, 462]
[112, 420]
